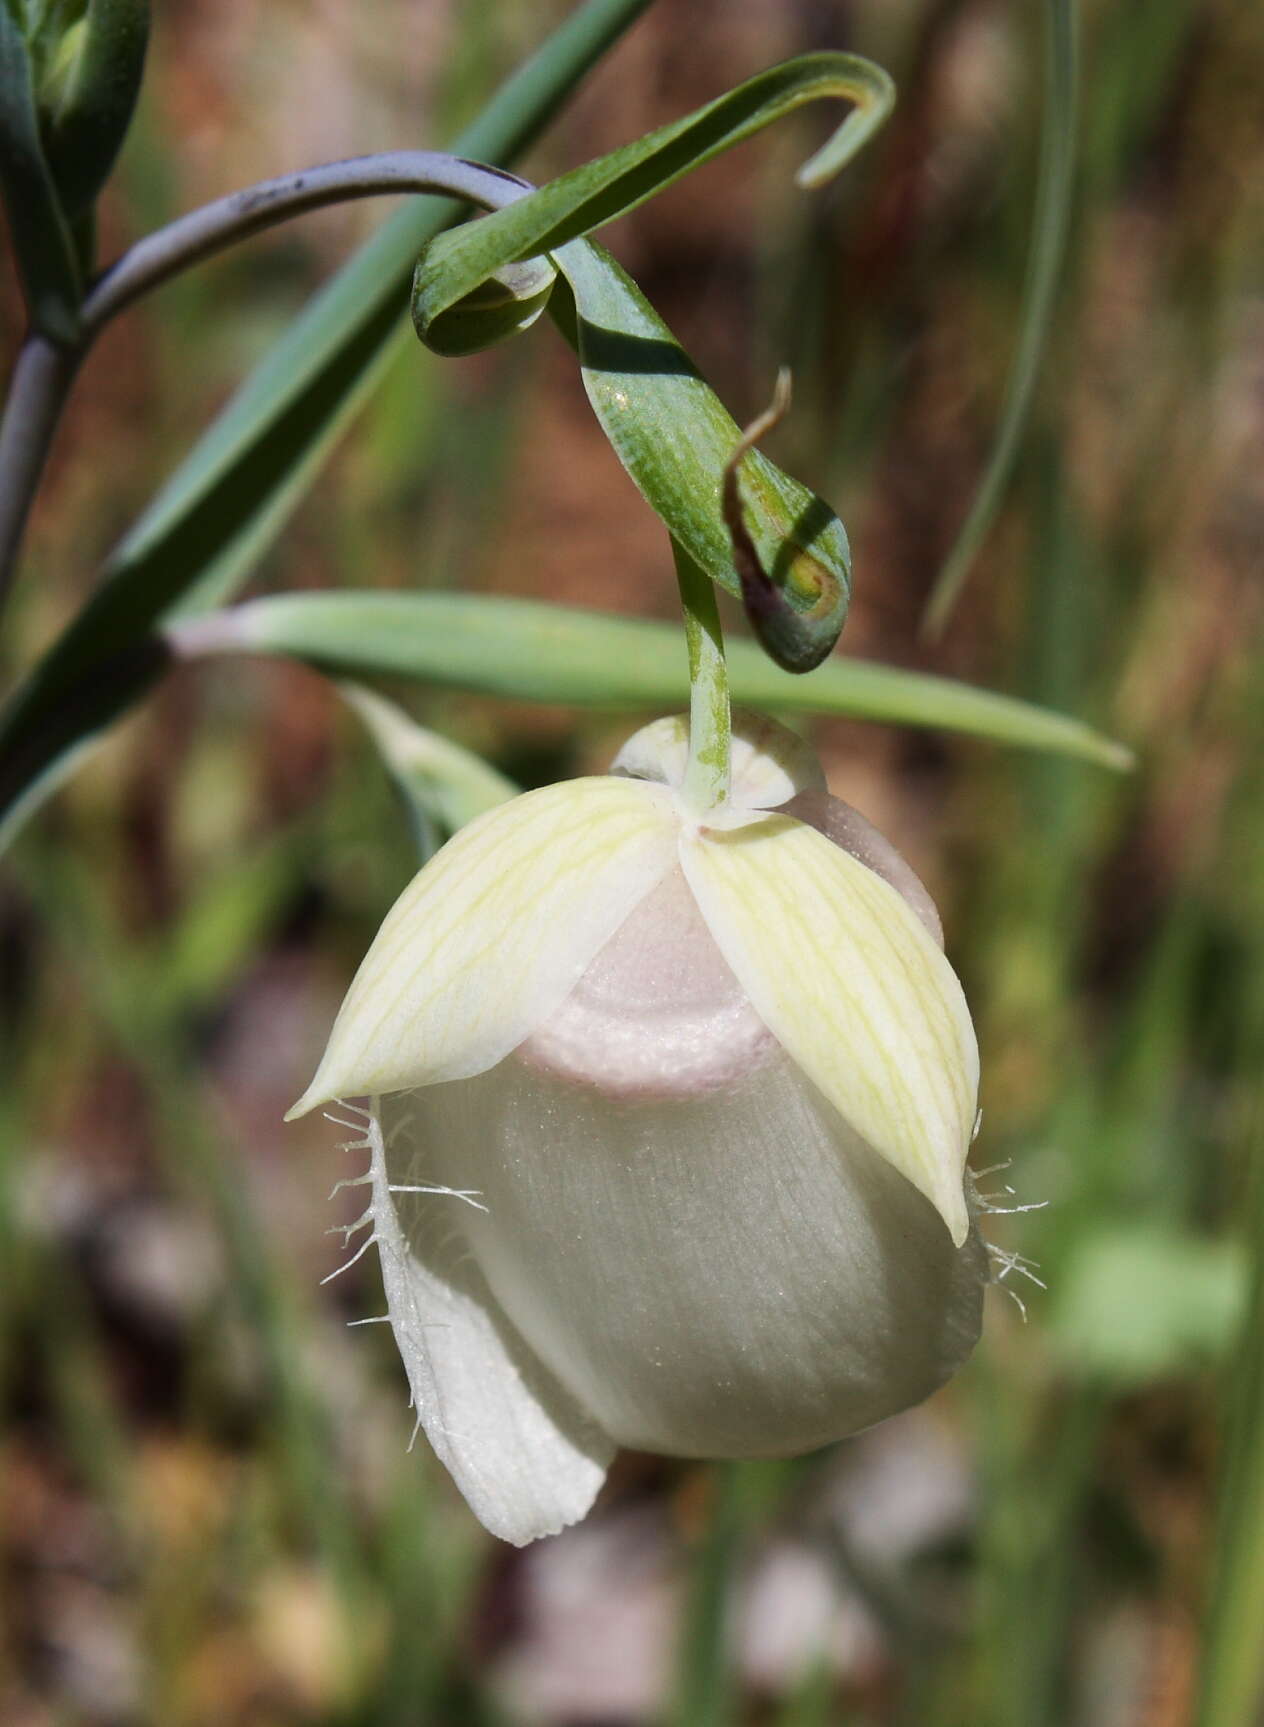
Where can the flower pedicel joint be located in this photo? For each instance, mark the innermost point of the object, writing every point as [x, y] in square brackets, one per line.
[668, 1117]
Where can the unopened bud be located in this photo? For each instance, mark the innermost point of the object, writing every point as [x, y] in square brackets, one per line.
[89, 61]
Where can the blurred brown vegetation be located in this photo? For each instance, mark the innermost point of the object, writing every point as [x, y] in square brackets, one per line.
[207, 1513]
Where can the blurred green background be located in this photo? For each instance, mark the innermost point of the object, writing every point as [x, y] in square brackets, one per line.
[207, 1510]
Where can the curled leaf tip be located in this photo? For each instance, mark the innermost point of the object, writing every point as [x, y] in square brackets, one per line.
[797, 613]
[873, 92]
[507, 302]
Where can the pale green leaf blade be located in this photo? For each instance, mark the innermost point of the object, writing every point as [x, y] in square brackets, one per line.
[532, 651]
[588, 197]
[666, 425]
[676, 437]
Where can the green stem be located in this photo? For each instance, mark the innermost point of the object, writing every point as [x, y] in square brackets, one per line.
[706, 784]
[45, 370]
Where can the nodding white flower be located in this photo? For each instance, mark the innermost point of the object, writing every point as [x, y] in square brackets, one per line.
[668, 1120]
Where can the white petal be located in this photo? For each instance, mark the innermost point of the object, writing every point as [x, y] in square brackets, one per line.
[732, 1274]
[657, 1013]
[493, 933]
[856, 834]
[770, 763]
[849, 981]
[526, 1458]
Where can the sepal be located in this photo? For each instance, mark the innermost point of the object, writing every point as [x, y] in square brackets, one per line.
[853, 986]
[492, 935]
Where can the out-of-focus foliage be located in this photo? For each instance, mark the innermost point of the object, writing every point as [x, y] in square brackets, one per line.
[207, 1512]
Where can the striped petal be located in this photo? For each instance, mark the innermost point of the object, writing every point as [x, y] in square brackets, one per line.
[491, 936]
[852, 985]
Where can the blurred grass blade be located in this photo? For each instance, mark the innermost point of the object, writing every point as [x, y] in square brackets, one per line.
[38, 229]
[441, 785]
[528, 650]
[1233, 1661]
[675, 438]
[707, 1684]
[1049, 229]
[232, 494]
[588, 197]
[348, 323]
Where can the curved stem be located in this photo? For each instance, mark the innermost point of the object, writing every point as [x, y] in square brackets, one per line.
[199, 235]
[41, 382]
[706, 783]
[45, 370]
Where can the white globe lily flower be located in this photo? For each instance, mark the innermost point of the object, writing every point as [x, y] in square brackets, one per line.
[713, 1083]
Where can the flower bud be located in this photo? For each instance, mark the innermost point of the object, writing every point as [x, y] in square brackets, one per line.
[668, 1127]
[91, 58]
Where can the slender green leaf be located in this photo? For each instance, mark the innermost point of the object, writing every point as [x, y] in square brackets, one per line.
[1048, 240]
[674, 437]
[232, 494]
[588, 197]
[665, 423]
[441, 785]
[527, 650]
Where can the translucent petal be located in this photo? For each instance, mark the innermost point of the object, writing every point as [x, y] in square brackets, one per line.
[770, 763]
[493, 933]
[731, 1274]
[852, 985]
[856, 834]
[526, 1458]
[657, 1013]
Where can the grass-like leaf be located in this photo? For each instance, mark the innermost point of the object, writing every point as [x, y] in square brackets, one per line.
[1048, 241]
[588, 197]
[665, 423]
[527, 650]
[674, 437]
